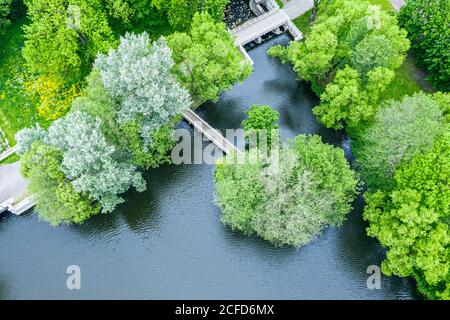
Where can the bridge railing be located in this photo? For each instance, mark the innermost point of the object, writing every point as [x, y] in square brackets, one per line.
[8, 153]
[209, 132]
[254, 20]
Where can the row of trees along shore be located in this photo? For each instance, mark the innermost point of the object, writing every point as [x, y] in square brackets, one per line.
[402, 148]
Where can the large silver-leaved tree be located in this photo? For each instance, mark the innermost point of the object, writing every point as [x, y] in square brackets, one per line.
[138, 74]
[89, 161]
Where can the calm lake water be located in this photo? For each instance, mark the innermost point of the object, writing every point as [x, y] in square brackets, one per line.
[168, 242]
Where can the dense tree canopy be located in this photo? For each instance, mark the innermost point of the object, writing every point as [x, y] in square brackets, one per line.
[262, 121]
[206, 61]
[427, 23]
[5, 9]
[127, 135]
[61, 42]
[55, 197]
[124, 117]
[411, 220]
[181, 12]
[400, 130]
[64, 37]
[287, 202]
[122, 120]
[349, 56]
[349, 101]
[138, 74]
[88, 161]
[404, 159]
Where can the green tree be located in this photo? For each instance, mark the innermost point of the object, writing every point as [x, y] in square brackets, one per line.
[351, 102]
[90, 162]
[400, 130]
[146, 17]
[261, 120]
[312, 58]
[343, 101]
[206, 61]
[370, 53]
[5, 9]
[427, 23]
[287, 202]
[411, 221]
[349, 56]
[61, 41]
[138, 75]
[63, 37]
[97, 102]
[56, 200]
[180, 13]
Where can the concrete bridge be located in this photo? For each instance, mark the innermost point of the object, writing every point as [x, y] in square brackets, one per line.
[274, 21]
[210, 133]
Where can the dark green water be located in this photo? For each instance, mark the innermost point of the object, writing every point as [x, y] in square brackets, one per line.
[168, 242]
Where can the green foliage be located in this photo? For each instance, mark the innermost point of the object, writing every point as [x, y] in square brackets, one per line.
[147, 18]
[124, 119]
[180, 13]
[411, 221]
[427, 23]
[138, 75]
[260, 117]
[400, 130]
[288, 199]
[371, 52]
[17, 108]
[90, 162]
[127, 136]
[261, 121]
[348, 101]
[279, 52]
[63, 38]
[150, 156]
[206, 61]
[5, 9]
[57, 201]
[61, 42]
[443, 99]
[313, 58]
[349, 56]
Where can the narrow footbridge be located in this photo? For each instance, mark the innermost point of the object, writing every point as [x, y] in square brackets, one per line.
[210, 133]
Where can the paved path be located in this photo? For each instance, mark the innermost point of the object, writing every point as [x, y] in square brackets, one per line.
[12, 184]
[397, 4]
[295, 8]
